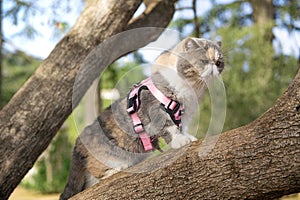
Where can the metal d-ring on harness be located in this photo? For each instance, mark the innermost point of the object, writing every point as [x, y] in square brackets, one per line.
[172, 107]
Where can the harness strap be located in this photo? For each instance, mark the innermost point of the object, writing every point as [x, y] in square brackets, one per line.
[139, 129]
[172, 107]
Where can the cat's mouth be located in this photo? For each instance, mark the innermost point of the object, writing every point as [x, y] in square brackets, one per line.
[211, 70]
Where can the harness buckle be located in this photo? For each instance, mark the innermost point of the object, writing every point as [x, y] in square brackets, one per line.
[131, 105]
[181, 112]
[139, 128]
[173, 107]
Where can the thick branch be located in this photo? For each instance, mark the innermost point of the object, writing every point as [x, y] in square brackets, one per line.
[158, 13]
[257, 161]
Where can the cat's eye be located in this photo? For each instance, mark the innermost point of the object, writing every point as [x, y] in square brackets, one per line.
[218, 63]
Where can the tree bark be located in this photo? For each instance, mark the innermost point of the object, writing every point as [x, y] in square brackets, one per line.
[34, 115]
[258, 161]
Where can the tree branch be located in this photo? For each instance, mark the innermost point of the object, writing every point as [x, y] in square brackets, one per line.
[184, 8]
[158, 13]
[258, 161]
[195, 20]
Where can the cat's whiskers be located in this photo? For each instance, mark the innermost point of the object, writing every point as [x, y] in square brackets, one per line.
[199, 86]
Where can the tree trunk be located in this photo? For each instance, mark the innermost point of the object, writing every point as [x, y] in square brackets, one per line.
[263, 11]
[264, 15]
[34, 115]
[258, 161]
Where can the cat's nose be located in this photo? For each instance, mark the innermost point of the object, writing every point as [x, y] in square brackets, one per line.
[220, 66]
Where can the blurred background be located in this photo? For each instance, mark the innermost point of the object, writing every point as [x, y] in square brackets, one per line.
[261, 43]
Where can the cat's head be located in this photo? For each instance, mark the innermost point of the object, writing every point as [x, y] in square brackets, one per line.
[199, 58]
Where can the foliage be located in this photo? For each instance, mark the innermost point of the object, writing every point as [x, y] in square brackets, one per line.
[254, 77]
[253, 80]
[24, 11]
[122, 77]
[287, 14]
[53, 167]
[17, 68]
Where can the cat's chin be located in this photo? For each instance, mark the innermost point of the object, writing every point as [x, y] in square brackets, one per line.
[210, 70]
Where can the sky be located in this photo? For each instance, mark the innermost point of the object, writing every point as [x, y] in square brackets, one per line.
[46, 39]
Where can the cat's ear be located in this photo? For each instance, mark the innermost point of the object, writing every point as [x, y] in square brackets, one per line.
[190, 43]
[219, 44]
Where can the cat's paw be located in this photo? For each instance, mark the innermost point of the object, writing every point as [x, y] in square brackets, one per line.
[192, 138]
[179, 140]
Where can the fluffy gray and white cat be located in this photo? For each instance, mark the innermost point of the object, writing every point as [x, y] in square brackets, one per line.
[111, 142]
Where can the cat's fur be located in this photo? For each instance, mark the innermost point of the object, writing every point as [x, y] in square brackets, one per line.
[110, 142]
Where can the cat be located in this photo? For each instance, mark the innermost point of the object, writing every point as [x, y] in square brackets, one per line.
[111, 140]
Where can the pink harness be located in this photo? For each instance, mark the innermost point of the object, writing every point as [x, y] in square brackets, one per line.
[172, 107]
